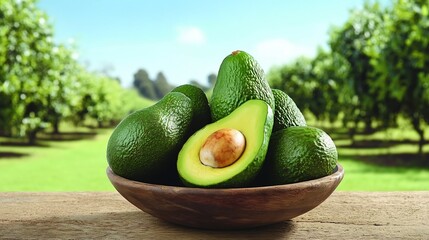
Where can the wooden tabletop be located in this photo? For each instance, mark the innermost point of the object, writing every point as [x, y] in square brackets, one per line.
[106, 215]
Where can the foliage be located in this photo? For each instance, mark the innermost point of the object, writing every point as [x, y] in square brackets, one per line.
[330, 94]
[159, 87]
[144, 85]
[152, 89]
[162, 86]
[403, 63]
[377, 68]
[26, 43]
[295, 80]
[353, 42]
[211, 79]
[314, 84]
[42, 83]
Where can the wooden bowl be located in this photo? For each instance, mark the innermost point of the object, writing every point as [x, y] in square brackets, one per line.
[233, 208]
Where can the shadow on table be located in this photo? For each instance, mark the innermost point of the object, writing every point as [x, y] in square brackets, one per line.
[131, 225]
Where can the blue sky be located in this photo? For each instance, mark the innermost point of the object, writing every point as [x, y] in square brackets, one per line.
[188, 39]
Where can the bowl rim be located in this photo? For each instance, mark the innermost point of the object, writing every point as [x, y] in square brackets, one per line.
[337, 175]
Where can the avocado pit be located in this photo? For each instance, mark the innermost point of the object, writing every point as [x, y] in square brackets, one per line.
[222, 148]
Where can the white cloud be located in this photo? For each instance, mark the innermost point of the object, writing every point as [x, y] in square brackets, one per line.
[279, 51]
[191, 35]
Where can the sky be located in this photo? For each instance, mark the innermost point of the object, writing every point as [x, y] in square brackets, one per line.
[187, 40]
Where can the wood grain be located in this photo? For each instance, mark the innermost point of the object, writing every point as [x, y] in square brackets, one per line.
[232, 208]
[107, 215]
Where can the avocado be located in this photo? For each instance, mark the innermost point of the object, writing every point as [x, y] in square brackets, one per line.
[200, 106]
[299, 153]
[240, 78]
[229, 152]
[145, 144]
[287, 114]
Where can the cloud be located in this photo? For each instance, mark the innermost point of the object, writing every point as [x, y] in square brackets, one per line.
[279, 51]
[191, 35]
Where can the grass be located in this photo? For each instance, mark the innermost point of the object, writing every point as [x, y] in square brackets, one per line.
[66, 165]
[361, 176]
[383, 161]
[75, 161]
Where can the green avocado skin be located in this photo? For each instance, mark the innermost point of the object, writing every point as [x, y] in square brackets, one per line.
[287, 114]
[299, 153]
[145, 144]
[240, 78]
[200, 106]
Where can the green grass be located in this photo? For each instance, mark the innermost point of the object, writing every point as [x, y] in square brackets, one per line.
[383, 161]
[77, 165]
[77, 162]
[368, 177]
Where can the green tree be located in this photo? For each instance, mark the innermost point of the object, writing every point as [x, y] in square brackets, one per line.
[294, 79]
[25, 58]
[65, 88]
[352, 42]
[199, 85]
[211, 79]
[41, 82]
[144, 85]
[403, 64]
[162, 87]
[329, 74]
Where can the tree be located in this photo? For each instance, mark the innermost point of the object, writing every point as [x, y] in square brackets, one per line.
[144, 85]
[41, 83]
[25, 58]
[161, 85]
[329, 74]
[199, 85]
[295, 80]
[64, 92]
[351, 41]
[403, 63]
[211, 79]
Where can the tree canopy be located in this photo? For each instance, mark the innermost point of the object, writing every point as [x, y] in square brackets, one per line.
[42, 83]
[376, 69]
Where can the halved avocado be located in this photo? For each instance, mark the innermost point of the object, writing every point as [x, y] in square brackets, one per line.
[201, 159]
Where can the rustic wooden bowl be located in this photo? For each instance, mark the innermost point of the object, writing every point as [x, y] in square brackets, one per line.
[232, 208]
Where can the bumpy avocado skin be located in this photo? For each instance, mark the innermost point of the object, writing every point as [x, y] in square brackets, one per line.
[240, 78]
[298, 154]
[145, 144]
[287, 114]
[200, 106]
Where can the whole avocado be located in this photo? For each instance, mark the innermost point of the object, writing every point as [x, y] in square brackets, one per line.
[200, 106]
[287, 114]
[145, 144]
[240, 78]
[299, 153]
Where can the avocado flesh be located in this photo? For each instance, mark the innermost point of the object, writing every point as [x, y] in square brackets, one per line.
[254, 119]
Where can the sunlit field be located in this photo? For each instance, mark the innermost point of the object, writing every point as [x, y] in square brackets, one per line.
[75, 161]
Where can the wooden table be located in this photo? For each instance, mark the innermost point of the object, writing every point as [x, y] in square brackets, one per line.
[106, 215]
